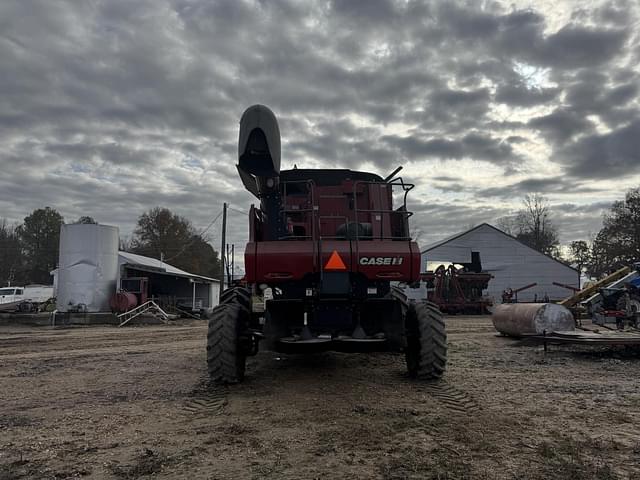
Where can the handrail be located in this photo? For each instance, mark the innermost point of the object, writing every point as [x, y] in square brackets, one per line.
[139, 310]
[312, 217]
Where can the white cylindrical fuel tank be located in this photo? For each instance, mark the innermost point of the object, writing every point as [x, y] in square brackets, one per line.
[88, 267]
[517, 319]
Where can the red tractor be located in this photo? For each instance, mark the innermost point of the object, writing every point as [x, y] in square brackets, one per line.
[324, 248]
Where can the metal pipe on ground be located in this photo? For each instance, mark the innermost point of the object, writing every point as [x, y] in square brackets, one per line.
[518, 319]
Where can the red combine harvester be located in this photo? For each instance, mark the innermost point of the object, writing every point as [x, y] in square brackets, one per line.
[324, 247]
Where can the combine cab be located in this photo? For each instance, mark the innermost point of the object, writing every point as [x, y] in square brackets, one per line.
[324, 247]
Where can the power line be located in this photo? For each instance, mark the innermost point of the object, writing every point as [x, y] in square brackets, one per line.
[193, 239]
[237, 210]
[210, 224]
[188, 244]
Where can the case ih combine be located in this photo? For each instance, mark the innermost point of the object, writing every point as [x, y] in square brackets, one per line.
[324, 247]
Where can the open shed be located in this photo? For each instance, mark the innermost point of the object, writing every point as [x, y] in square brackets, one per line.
[169, 285]
[512, 263]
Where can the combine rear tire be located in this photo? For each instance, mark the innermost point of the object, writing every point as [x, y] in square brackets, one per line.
[426, 351]
[225, 357]
[394, 329]
[239, 295]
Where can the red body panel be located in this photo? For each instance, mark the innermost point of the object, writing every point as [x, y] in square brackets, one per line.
[276, 261]
[354, 218]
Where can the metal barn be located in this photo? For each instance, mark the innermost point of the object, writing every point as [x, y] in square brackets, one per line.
[169, 285]
[512, 264]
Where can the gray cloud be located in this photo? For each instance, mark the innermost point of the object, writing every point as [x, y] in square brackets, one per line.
[544, 185]
[473, 145]
[562, 125]
[610, 155]
[112, 107]
[518, 94]
[578, 45]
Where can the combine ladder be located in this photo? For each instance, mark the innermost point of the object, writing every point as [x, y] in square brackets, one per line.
[126, 317]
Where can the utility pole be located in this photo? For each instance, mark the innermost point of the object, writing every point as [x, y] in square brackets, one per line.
[229, 277]
[222, 248]
[230, 262]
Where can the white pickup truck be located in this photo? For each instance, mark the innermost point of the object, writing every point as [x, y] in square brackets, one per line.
[12, 297]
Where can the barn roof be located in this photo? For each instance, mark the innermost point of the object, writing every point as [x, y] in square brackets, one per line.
[141, 262]
[444, 241]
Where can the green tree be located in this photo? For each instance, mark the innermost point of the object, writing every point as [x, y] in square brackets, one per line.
[602, 257]
[164, 235]
[85, 219]
[618, 242]
[11, 258]
[580, 253]
[40, 238]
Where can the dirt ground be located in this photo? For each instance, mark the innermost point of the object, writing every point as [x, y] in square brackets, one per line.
[103, 402]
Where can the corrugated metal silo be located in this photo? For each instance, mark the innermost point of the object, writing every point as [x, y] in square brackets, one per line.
[88, 267]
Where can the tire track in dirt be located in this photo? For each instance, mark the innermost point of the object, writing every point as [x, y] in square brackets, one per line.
[138, 347]
[451, 397]
[446, 394]
[207, 399]
[391, 375]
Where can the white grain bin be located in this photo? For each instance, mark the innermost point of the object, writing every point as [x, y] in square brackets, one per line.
[88, 267]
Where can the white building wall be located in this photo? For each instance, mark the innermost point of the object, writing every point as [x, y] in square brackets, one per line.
[512, 264]
[214, 294]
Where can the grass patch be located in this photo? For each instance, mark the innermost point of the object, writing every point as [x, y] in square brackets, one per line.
[437, 464]
[146, 462]
[570, 458]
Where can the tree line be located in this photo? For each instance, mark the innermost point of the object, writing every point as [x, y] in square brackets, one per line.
[30, 251]
[617, 243]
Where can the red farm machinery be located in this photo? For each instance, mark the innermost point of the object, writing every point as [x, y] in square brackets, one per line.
[458, 290]
[326, 248]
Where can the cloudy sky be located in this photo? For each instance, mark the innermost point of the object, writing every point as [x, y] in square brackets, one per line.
[111, 107]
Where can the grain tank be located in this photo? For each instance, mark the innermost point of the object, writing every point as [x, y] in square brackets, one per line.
[88, 267]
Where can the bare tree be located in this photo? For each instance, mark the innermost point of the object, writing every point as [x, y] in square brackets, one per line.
[536, 229]
[532, 225]
[508, 224]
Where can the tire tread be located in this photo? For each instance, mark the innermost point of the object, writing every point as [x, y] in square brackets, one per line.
[427, 339]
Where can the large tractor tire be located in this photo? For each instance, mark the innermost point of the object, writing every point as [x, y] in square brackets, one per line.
[225, 356]
[426, 351]
[240, 295]
[395, 329]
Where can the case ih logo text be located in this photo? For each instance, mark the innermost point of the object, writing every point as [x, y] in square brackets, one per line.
[380, 260]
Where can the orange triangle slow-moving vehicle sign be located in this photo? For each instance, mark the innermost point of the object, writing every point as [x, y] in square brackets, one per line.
[335, 262]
